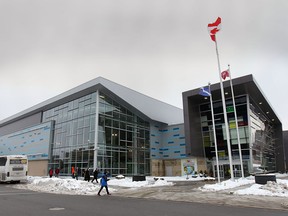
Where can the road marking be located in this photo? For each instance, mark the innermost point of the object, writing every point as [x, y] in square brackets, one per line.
[56, 209]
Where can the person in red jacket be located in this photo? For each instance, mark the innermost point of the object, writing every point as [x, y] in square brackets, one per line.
[57, 170]
[73, 171]
[51, 172]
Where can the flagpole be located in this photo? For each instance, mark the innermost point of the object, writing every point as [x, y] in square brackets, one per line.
[214, 133]
[236, 120]
[225, 115]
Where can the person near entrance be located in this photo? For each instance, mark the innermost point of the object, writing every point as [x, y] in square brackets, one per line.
[95, 175]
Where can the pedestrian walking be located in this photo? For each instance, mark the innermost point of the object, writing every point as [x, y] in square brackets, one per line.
[103, 182]
[79, 173]
[73, 171]
[51, 172]
[87, 175]
[57, 170]
[95, 175]
[76, 171]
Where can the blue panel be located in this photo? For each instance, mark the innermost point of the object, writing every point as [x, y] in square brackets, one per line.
[33, 142]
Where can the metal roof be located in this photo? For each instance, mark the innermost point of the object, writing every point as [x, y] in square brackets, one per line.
[144, 105]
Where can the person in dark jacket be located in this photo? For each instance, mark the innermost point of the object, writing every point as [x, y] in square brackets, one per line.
[103, 182]
[87, 175]
[95, 175]
[76, 173]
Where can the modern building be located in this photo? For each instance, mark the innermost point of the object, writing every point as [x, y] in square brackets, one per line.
[260, 130]
[98, 124]
[109, 126]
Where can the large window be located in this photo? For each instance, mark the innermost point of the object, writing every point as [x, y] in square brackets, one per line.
[123, 139]
[263, 139]
[74, 133]
[207, 128]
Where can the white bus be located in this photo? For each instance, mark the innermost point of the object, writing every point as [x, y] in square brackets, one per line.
[13, 168]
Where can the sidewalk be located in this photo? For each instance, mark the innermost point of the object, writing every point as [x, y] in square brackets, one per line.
[189, 192]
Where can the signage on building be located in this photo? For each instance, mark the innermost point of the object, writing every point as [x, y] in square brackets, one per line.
[229, 109]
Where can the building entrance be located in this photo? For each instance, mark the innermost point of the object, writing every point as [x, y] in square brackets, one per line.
[225, 173]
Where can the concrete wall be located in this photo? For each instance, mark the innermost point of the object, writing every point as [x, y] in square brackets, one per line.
[166, 167]
[175, 167]
[201, 164]
[38, 168]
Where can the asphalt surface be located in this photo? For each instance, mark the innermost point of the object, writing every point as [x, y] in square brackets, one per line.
[189, 192]
[31, 203]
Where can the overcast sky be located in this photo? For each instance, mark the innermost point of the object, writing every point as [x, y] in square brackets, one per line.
[160, 48]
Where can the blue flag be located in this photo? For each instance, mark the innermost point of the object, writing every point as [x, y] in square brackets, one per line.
[204, 91]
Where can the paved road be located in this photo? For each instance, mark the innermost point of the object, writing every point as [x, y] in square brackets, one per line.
[27, 203]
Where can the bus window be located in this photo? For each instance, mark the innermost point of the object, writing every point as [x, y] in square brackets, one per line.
[18, 161]
[3, 161]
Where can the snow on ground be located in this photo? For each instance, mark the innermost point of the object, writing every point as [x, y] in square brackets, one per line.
[278, 188]
[228, 184]
[67, 185]
[79, 187]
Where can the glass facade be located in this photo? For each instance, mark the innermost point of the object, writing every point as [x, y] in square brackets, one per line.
[208, 136]
[123, 145]
[256, 135]
[73, 133]
[262, 140]
[123, 139]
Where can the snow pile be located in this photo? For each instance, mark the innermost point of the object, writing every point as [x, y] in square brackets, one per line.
[79, 187]
[279, 189]
[60, 186]
[127, 182]
[185, 178]
[227, 184]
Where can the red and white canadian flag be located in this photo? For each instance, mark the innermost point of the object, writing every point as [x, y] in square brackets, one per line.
[213, 28]
[225, 74]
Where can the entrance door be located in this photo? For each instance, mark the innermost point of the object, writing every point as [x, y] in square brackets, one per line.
[237, 170]
[224, 171]
[221, 171]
